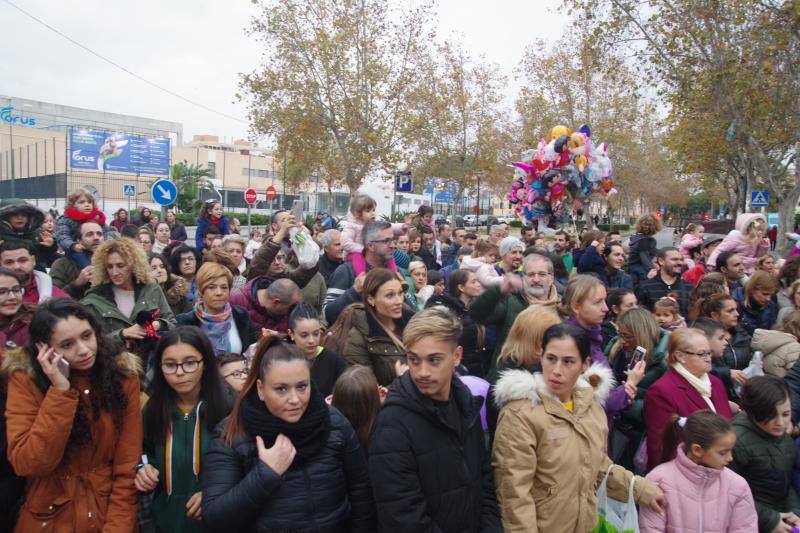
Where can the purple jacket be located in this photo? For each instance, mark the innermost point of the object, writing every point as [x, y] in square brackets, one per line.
[673, 395]
[618, 400]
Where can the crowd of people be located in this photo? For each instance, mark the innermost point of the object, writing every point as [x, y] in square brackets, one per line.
[391, 377]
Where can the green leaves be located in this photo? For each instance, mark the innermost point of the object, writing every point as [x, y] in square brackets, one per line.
[190, 180]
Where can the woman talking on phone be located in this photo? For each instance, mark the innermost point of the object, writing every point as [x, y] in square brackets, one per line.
[73, 424]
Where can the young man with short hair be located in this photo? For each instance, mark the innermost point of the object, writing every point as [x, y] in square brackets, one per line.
[428, 463]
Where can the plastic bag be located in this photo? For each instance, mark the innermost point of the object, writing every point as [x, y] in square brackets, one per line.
[305, 248]
[755, 368]
[614, 516]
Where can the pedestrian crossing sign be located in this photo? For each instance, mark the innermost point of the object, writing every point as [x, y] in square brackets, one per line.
[759, 199]
[129, 189]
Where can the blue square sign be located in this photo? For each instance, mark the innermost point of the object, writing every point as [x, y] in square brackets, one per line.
[402, 182]
[129, 189]
[759, 199]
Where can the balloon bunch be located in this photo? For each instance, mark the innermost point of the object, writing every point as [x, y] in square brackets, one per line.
[559, 175]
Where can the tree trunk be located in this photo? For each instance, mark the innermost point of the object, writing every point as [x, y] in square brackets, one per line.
[786, 219]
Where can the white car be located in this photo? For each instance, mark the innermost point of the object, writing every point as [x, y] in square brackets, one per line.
[470, 219]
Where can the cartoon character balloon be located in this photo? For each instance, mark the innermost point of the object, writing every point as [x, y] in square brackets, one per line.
[556, 178]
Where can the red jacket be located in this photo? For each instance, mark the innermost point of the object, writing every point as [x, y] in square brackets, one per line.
[247, 297]
[673, 395]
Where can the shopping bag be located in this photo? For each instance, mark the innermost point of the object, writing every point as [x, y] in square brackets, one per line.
[305, 248]
[614, 516]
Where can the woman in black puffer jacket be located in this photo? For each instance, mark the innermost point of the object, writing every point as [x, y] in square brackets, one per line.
[284, 460]
[462, 288]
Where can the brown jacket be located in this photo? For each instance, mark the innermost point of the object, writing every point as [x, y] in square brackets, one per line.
[549, 462]
[91, 489]
[368, 344]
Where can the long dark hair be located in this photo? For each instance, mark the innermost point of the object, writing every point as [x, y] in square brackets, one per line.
[158, 415]
[208, 205]
[107, 393]
[356, 395]
[269, 350]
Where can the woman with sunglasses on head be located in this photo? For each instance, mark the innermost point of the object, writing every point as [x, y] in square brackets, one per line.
[186, 403]
[687, 386]
[73, 423]
[284, 460]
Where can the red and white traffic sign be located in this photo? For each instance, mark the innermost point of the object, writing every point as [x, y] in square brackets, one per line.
[250, 196]
[271, 193]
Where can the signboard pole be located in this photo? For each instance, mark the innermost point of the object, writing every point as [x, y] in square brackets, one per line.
[249, 225]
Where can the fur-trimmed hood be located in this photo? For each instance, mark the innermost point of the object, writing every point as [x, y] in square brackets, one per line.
[20, 360]
[522, 385]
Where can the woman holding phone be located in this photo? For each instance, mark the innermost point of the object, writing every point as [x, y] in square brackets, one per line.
[73, 423]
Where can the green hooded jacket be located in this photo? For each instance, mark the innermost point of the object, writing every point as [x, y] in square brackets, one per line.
[169, 511]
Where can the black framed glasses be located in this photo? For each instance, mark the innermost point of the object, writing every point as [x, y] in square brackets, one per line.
[188, 367]
[16, 291]
[383, 241]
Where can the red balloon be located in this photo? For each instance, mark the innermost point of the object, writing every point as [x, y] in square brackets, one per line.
[540, 165]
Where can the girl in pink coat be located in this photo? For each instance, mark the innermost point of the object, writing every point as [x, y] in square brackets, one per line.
[702, 495]
[748, 241]
[692, 238]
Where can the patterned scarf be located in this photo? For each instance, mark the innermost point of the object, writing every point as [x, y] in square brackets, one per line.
[217, 327]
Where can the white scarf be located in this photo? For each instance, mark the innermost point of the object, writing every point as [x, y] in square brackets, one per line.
[701, 385]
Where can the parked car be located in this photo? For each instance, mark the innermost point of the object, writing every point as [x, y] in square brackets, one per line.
[470, 219]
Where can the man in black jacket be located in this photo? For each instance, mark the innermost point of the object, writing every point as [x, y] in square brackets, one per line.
[667, 280]
[428, 463]
[427, 252]
[331, 257]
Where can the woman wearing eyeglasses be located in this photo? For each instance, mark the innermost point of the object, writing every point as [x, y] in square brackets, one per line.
[187, 401]
[15, 316]
[184, 262]
[226, 325]
[687, 387]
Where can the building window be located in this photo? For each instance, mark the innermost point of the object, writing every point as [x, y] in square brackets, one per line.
[212, 169]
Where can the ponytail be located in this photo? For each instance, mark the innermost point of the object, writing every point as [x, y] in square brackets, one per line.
[702, 428]
[269, 350]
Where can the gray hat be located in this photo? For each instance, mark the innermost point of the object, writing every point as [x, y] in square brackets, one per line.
[508, 244]
[710, 240]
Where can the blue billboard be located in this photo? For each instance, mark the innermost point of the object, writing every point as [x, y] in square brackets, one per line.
[105, 151]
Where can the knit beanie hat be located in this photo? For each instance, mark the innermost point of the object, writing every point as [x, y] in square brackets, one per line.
[401, 259]
[508, 244]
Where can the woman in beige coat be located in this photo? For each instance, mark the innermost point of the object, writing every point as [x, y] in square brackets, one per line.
[549, 449]
[780, 346]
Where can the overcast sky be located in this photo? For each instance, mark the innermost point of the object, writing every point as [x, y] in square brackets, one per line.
[197, 48]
